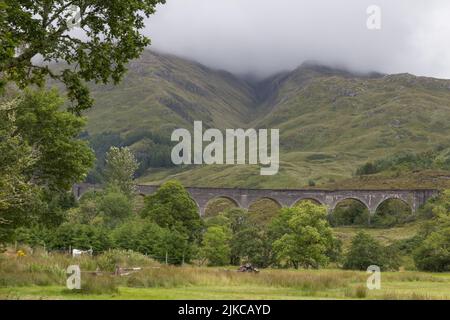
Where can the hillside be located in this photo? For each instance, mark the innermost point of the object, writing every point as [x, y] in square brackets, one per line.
[331, 121]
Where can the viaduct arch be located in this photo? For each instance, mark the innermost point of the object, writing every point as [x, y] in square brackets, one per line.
[289, 197]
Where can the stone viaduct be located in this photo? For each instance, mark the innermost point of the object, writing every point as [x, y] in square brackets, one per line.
[243, 198]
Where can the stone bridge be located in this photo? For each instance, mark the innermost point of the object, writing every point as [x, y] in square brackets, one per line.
[243, 198]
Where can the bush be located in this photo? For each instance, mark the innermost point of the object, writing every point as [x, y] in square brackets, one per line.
[434, 252]
[392, 212]
[108, 260]
[115, 207]
[302, 236]
[215, 246]
[349, 212]
[172, 207]
[366, 251]
[81, 236]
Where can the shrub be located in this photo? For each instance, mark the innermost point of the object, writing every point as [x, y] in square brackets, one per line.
[172, 207]
[302, 235]
[115, 207]
[392, 212]
[108, 260]
[215, 246]
[434, 252]
[349, 212]
[81, 236]
[366, 251]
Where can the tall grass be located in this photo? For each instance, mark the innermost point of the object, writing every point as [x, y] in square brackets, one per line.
[44, 269]
[169, 277]
[41, 269]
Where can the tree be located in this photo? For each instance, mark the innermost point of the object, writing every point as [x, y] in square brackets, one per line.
[304, 236]
[110, 37]
[44, 156]
[366, 251]
[141, 236]
[81, 236]
[120, 168]
[433, 252]
[349, 212]
[251, 245]
[40, 159]
[63, 159]
[215, 246]
[172, 207]
[108, 208]
[17, 194]
[115, 207]
[87, 211]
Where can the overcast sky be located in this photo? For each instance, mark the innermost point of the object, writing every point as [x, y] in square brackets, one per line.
[262, 37]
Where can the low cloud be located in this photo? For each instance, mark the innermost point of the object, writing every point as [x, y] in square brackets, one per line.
[262, 37]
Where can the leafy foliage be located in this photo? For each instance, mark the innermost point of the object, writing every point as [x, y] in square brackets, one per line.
[41, 157]
[172, 207]
[80, 236]
[151, 150]
[63, 158]
[109, 208]
[433, 250]
[215, 246]
[120, 168]
[349, 212]
[366, 251]
[16, 156]
[248, 242]
[111, 38]
[438, 158]
[303, 235]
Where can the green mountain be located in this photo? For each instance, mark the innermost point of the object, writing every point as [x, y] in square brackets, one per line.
[331, 121]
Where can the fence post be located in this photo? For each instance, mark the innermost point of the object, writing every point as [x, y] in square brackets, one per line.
[167, 258]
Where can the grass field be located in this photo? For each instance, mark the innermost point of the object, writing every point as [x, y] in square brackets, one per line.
[385, 235]
[43, 276]
[217, 284]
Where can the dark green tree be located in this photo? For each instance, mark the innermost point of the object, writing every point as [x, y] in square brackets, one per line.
[252, 245]
[119, 170]
[215, 246]
[63, 159]
[81, 236]
[172, 207]
[114, 207]
[433, 254]
[433, 251]
[303, 236]
[108, 37]
[366, 251]
[17, 195]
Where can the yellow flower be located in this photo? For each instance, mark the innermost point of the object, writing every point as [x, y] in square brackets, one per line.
[21, 253]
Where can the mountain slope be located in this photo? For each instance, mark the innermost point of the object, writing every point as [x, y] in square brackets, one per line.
[331, 121]
[162, 92]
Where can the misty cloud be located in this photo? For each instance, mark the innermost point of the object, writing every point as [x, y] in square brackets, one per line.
[261, 37]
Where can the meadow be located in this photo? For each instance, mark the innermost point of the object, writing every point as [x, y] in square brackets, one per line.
[43, 276]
